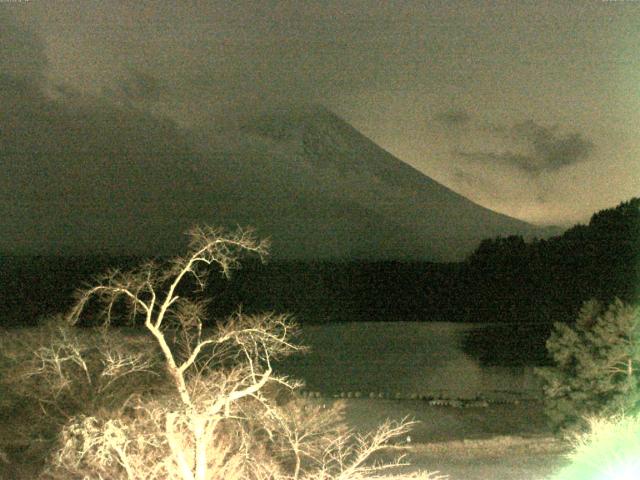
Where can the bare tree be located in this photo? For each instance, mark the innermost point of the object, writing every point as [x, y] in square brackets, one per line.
[220, 418]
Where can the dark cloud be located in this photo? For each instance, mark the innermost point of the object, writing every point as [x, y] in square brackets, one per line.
[139, 86]
[199, 62]
[453, 118]
[552, 150]
[488, 188]
[82, 172]
[22, 55]
[535, 149]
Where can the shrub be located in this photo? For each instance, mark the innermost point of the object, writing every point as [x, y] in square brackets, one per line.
[596, 367]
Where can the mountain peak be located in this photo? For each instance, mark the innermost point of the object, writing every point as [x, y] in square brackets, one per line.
[300, 175]
[313, 152]
[286, 122]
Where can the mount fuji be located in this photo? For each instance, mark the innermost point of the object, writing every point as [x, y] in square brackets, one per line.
[321, 189]
[109, 180]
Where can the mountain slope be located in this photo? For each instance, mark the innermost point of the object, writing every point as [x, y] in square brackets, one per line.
[90, 178]
[334, 192]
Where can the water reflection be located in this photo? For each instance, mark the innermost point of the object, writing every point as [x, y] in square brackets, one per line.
[412, 359]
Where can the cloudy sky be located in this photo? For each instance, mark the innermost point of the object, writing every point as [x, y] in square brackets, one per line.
[528, 108]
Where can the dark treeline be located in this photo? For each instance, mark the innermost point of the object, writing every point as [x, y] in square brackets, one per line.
[548, 280]
[504, 280]
[32, 287]
[341, 291]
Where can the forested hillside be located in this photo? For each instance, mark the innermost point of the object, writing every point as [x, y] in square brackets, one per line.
[507, 278]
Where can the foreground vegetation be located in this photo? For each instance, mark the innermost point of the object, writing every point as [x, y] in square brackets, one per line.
[189, 400]
[593, 391]
[195, 403]
[610, 449]
[596, 370]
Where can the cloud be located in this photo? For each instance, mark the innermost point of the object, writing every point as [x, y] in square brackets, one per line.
[465, 179]
[22, 56]
[552, 150]
[138, 86]
[533, 148]
[83, 172]
[527, 163]
[453, 118]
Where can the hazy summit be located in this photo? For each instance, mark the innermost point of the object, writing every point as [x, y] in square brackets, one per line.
[323, 190]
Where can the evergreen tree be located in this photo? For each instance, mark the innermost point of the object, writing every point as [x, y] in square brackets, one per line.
[596, 367]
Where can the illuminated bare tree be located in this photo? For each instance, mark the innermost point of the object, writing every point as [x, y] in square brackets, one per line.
[224, 419]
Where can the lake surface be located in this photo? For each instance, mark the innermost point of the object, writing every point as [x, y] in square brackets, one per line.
[409, 358]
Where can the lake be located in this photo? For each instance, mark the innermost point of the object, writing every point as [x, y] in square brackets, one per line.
[455, 360]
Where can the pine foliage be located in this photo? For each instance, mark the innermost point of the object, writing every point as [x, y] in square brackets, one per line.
[596, 367]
